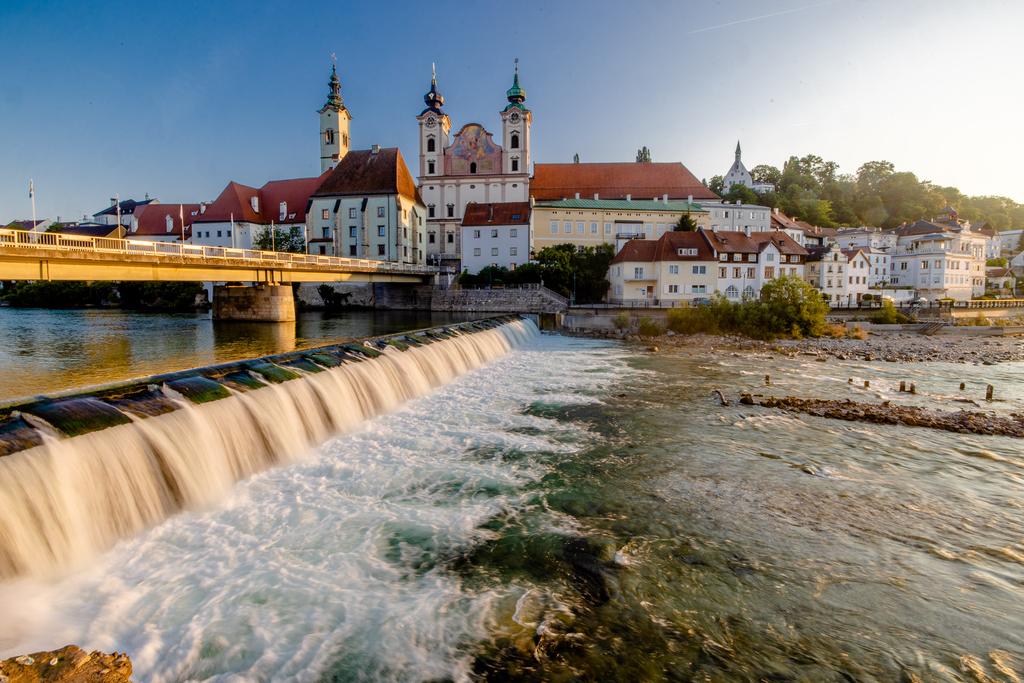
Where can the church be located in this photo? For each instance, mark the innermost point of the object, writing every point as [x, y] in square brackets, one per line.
[469, 167]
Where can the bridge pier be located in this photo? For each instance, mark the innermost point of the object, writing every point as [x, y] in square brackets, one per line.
[254, 303]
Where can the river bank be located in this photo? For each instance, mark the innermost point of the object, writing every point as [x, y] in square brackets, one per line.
[890, 347]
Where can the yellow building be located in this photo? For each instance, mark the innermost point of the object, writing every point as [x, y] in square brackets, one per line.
[591, 222]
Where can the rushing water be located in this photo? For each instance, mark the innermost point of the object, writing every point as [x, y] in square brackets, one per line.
[576, 510]
[43, 351]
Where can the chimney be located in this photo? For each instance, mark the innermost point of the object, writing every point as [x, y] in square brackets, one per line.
[629, 197]
[490, 213]
[577, 195]
[689, 199]
[375, 149]
[776, 210]
[596, 196]
[664, 197]
[202, 208]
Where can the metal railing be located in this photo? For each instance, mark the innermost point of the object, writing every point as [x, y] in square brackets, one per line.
[111, 245]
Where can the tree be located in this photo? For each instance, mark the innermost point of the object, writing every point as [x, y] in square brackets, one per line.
[792, 306]
[292, 240]
[686, 224]
[717, 184]
[741, 193]
[763, 173]
[643, 155]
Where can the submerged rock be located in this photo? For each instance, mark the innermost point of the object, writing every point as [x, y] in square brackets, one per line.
[70, 664]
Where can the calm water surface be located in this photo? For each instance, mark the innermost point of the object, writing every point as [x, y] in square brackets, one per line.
[49, 350]
[581, 511]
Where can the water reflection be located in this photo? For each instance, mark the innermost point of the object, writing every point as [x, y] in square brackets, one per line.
[43, 351]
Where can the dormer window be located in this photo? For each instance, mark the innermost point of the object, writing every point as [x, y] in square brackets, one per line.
[687, 251]
[169, 222]
[255, 203]
[283, 212]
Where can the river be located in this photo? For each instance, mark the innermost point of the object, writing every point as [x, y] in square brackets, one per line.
[583, 510]
[50, 350]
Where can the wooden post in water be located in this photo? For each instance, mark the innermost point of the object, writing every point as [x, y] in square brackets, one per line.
[903, 386]
[867, 384]
[963, 385]
[988, 392]
[913, 388]
[767, 380]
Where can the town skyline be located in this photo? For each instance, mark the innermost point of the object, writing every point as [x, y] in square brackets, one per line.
[195, 142]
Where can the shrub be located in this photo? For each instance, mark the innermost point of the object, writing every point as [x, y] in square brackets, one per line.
[650, 328]
[621, 321]
[977, 321]
[889, 315]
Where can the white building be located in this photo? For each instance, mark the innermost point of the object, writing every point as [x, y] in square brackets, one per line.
[737, 216]
[368, 206]
[334, 123]
[843, 276]
[877, 245]
[940, 260]
[746, 262]
[470, 167]
[739, 175]
[495, 235]
[1009, 242]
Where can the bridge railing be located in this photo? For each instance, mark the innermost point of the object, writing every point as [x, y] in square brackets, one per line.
[108, 245]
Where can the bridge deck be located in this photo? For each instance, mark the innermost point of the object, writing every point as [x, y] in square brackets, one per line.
[55, 256]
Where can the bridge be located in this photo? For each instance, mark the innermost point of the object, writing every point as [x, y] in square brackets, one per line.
[56, 256]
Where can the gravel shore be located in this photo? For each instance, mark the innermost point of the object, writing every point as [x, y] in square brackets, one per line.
[892, 347]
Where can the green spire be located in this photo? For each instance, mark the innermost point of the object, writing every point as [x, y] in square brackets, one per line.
[334, 98]
[515, 94]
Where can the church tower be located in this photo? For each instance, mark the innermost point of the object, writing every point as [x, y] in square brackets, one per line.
[334, 118]
[515, 125]
[435, 127]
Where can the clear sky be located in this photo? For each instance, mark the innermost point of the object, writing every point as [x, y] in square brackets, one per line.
[176, 99]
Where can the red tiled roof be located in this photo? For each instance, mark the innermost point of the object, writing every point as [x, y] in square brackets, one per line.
[998, 272]
[236, 201]
[364, 172]
[784, 222]
[615, 181]
[738, 242]
[151, 219]
[233, 202]
[666, 248]
[503, 213]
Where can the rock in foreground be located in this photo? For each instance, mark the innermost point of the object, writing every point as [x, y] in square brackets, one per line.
[70, 664]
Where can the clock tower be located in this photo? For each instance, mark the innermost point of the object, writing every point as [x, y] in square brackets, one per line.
[434, 129]
[334, 118]
[515, 124]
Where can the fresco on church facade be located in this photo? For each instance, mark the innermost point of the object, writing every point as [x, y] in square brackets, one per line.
[472, 145]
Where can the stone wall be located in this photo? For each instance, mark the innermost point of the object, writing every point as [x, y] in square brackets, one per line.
[428, 298]
[261, 303]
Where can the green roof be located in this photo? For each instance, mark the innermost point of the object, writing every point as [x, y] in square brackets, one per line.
[623, 205]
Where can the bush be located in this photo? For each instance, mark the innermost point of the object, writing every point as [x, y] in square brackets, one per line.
[650, 328]
[621, 321]
[977, 321]
[889, 315]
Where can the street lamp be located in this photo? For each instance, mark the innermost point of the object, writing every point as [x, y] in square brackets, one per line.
[117, 204]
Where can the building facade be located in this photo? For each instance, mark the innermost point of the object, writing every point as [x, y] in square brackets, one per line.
[495, 235]
[842, 276]
[470, 167]
[940, 260]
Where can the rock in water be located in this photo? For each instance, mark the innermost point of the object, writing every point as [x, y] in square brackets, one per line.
[67, 665]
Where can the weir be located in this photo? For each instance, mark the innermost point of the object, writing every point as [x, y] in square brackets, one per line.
[81, 470]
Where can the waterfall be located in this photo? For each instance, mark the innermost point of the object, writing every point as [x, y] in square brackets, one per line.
[67, 499]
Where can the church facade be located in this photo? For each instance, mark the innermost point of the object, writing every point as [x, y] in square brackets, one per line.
[739, 175]
[470, 167]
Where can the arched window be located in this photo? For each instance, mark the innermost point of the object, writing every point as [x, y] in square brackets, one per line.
[748, 292]
[731, 292]
[329, 136]
[472, 167]
[514, 143]
[515, 164]
[431, 144]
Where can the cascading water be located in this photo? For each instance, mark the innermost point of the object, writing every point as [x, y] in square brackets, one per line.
[67, 499]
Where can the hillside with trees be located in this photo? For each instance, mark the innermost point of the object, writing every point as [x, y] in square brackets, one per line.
[814, 190]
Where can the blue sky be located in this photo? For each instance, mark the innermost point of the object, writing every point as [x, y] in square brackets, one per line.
[176, 99]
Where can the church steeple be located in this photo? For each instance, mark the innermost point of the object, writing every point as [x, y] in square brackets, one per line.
[738, 150]
[334, 97]
[334, 118]
[516, 95]
[433, 99]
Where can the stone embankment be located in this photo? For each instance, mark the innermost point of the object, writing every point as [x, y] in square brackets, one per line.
[891, 348]
[962, 421]
[70, 664]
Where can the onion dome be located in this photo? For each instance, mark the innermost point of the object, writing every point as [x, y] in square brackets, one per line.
[334, 98]
[433, 99]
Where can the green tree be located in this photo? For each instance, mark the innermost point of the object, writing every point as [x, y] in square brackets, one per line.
[292, 240]
[764, 173]
[716, 184]
[685, 224]
[792, 306]
[741, 193]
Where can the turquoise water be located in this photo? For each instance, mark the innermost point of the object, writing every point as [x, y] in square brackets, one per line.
[581, 510]
[43, 350]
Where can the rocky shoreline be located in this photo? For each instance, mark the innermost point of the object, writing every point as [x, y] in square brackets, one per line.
[69, 664]
[961, 421]
[890, 347]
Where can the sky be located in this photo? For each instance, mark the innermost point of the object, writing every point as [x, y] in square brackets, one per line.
[176, 99]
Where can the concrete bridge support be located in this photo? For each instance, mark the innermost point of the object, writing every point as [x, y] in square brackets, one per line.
[254, 303]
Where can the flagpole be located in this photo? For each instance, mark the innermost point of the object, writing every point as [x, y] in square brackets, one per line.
[273, 243]
[32, 196]
[181, 217]
[232, 231]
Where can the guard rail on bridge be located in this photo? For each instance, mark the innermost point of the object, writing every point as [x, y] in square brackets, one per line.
[170, 253]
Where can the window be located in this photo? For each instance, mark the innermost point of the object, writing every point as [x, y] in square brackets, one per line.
[567, 227]
[451, 210]
[323, 249]
[607, 228]
[329, 136]
[769, 272]
[673, 289]
[516, 217]
[513, 251]
[513, 233]
[431, 238]
[673, 270]
[430, 167]
[351, 213]
[700, 270]
[327, 232]
[737, 257]
[580, 228]
[748, 292]
[380, 231]
[722, 272]
[731, 292]
[514, 142]
[690, 251]
[218, 233]
[451, 238]
[494, 232]
[431, 144]
[554, 227]
[723, 257]
[515, 165]
[769, 257]
[430, 211]
[351, 250]
[476, 234]
[476, 251]
[494, 251]
[352, 231]
[380, 212]
[380, 249]
[751, 257]
[698, 289]
[737, 273]
[638, 273]
[325, 214]
[751, 273]
[472, 167]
